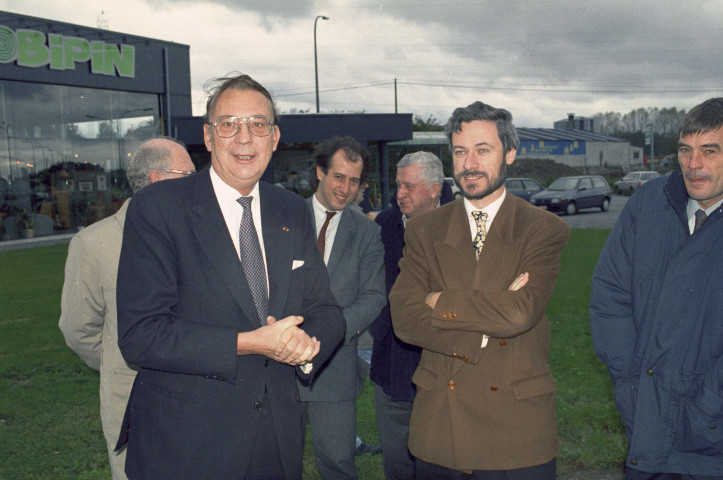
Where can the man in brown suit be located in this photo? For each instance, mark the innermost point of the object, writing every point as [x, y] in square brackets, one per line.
[475, 280]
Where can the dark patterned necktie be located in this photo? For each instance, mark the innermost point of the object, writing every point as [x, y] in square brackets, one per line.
[321, 241]
[252, 260]
[700, 218]
[479, 240]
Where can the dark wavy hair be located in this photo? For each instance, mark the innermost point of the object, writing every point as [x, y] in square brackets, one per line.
[706, 117]
[480, 111]
[354, 152]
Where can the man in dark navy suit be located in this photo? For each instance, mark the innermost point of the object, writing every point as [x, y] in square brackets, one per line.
[223, 300]
[419, 184]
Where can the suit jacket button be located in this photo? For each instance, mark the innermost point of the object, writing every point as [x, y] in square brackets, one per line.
[258, 405]
[493, 388]
[451, 385]
[503, 343]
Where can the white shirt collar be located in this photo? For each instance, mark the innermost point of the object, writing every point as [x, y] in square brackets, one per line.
[491, 211]
[320, 217]
[693, 207]
[227, 197]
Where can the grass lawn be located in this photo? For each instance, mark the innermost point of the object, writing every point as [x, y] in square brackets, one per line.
[50, 424]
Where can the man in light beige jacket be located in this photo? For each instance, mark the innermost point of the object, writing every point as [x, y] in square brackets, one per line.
[88, 304]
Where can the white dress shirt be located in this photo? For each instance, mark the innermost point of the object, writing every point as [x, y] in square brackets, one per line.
[232, 211]
[491, 211]
[320, 217]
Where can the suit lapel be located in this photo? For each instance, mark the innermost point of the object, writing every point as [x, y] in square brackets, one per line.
[341, 239]
[279, 232]
[210, 230]
[500, 249]
[455, 252]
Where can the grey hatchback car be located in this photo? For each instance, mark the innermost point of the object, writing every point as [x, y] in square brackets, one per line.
[630, 182]
[523, 187]
[572, 194]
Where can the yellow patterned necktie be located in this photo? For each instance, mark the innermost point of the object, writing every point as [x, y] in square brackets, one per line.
[479, 240]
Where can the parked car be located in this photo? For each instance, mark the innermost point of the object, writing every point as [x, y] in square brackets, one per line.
[572, 194]
[453, 185]
[630, 182]
[523, 187]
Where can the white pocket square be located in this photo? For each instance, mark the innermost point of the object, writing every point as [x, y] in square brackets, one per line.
[296, 264]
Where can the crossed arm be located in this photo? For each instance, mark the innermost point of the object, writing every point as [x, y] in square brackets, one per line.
[516, 284]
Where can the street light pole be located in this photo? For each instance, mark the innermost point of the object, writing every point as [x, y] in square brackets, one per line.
[316, 65]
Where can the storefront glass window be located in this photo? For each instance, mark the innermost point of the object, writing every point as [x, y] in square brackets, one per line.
[64, 151]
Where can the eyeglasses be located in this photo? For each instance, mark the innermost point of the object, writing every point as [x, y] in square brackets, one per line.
[179, 172]
[258, 125]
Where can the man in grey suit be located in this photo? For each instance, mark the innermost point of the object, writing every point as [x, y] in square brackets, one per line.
[88, 308]
[350, 244]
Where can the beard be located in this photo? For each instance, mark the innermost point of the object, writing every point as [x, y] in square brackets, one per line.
[493, 184]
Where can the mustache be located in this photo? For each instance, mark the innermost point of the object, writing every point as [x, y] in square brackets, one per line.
[474, 173]
[694, 175]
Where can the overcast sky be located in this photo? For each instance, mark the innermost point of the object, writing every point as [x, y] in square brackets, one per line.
[539, 59]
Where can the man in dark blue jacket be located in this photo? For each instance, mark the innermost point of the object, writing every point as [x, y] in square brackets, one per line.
[655, 308]
[419, 184]
[223, 301]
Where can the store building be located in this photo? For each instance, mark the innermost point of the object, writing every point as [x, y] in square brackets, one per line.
[75, 102]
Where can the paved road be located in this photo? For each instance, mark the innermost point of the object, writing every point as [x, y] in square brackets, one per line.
[594, 218]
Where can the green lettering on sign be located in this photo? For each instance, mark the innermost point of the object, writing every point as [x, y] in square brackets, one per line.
[31, 48]
[32, 51]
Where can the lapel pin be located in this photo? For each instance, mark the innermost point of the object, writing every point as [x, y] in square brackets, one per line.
[286, 229]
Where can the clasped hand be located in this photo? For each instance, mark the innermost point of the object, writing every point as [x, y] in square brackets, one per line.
[288, 343]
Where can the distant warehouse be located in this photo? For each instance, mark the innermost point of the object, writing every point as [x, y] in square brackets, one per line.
[572, 142]
[577, 148]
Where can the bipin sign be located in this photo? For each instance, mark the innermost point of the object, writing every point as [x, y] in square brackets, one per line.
[31, 48]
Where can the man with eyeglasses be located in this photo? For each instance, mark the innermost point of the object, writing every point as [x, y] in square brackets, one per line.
[223, 301]
[88, 306]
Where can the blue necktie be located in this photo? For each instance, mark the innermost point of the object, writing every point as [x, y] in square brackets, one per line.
[252, 260]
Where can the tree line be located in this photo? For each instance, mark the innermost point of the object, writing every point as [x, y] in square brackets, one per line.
[635, 124]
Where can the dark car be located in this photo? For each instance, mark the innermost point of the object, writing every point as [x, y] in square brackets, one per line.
[630, 182]
[523, 187]
[571, 194]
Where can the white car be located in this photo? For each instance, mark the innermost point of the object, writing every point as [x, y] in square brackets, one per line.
[630, 182]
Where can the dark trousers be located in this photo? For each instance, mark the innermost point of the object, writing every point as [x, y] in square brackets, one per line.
[393, 426]
[632, 474]
[430, 471]
[265, 459]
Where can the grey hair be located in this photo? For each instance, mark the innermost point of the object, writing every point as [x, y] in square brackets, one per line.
[431, 167]
[148, 158]
[480, 111]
